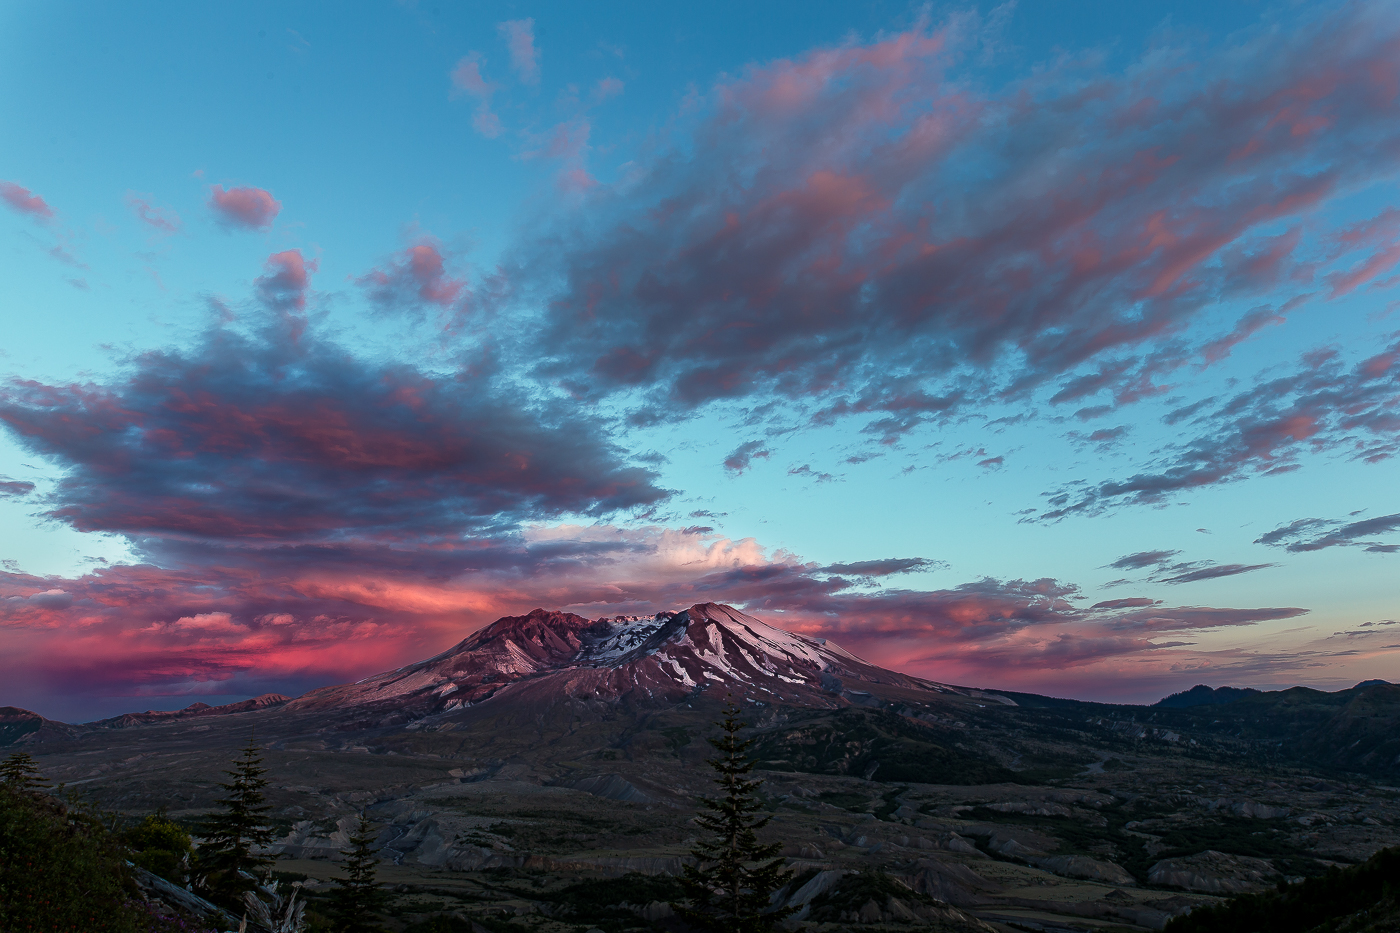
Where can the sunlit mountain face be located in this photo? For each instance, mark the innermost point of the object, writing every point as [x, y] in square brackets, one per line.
[1050, 350]
[656, 661]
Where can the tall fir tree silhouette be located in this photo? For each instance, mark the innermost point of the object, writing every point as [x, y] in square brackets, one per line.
[729, 888]
[20, 772]
[358, 896]
[226, 862]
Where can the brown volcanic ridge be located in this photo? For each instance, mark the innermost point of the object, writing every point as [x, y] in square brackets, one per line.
[640, 661]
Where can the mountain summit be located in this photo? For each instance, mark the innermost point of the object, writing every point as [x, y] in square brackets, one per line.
[659, 659]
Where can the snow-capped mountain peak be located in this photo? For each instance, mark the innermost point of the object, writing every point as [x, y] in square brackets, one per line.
[661, 658]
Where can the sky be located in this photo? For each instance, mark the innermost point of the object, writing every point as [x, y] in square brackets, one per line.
[1041, 346]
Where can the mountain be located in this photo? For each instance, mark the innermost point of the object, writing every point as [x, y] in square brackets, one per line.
[556, 670]
[636, 661]
[1201, 695]
[127, 720]
[21, 726]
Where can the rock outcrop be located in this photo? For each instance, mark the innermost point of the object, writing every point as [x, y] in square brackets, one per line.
[1212, 872]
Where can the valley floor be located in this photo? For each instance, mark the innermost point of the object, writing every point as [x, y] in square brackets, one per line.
[503, 822]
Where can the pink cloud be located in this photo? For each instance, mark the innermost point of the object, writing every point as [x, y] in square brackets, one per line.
[859, 227]
[568, 141]
[63, 252]
[485, 122]
[25, 201]
[246, 620]
[248, 208]
[1322, 405]
[14, 489]
[607, 88]
[1249, 325]
[415, 277]
[1380, 234]
[284, 284]
[576, 180]
[249, 441]
[519, 36]
[467, 78]
[162, 220]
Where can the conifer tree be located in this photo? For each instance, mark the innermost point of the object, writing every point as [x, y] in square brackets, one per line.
[19, 772]
[226, 861]
[729, 889]
[358, 896]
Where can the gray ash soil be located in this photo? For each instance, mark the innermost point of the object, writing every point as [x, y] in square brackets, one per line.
[532, 819]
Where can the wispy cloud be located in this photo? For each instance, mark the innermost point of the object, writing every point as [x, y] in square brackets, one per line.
[782, 244]
[743, 456]
[519, 36]
[24, 201]
[1166, 570]
[469, 79]
[162, 220]
[1314, 534]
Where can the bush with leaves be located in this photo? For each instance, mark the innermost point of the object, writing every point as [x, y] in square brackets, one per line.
[61, 871]
[161, 846]
[729, 888]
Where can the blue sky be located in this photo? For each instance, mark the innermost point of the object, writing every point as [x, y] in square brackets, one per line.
[332, 336]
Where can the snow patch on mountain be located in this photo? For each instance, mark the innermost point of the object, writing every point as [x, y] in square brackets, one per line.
[620, 636]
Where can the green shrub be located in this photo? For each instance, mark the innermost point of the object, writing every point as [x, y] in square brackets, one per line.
[62, 872]
[161, 846]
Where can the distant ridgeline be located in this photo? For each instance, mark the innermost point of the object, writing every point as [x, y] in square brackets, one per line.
[1201, 695]
[843, 714]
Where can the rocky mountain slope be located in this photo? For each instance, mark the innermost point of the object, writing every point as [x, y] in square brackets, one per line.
[656, 660]
[547, 666]
[21, 726]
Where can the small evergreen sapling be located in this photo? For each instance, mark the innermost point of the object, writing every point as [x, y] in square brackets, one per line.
[358, 895]
[730, 888]
[227, 862]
